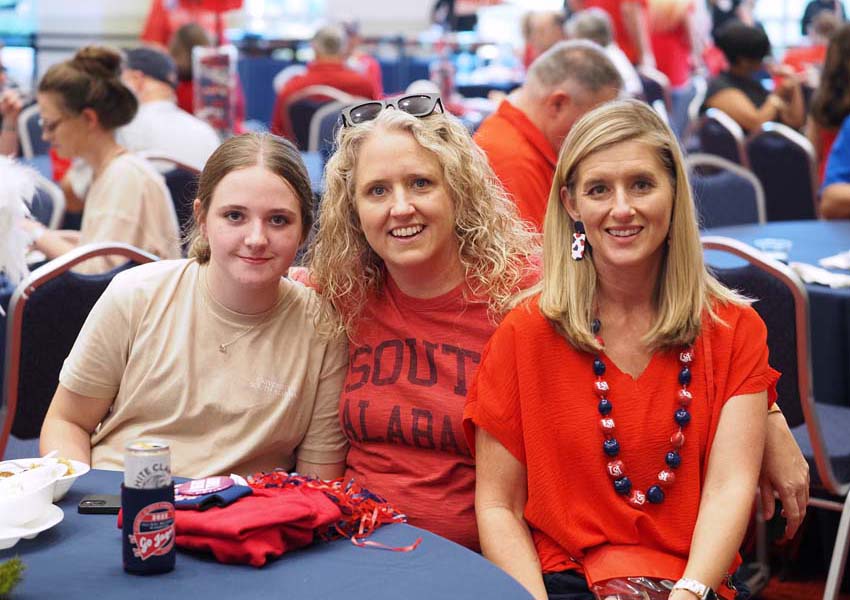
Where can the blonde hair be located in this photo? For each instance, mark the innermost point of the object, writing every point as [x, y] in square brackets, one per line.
[685, 289]
[495, 247]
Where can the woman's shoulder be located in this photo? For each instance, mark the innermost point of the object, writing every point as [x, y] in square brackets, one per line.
[129, 166]
[526, 316]
[300, 297]
[733, 320]
[147, 279]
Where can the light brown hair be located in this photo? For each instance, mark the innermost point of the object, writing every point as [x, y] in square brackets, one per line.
[273, 153]
[91, 79]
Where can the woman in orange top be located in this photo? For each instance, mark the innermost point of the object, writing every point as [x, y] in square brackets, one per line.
[637, 455]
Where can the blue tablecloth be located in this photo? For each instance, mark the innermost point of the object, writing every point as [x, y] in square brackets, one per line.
[829, 309]
[81, 558]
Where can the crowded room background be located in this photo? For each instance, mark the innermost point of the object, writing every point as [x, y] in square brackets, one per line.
[562, 283]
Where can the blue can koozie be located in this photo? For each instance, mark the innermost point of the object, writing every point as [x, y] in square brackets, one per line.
[148, 529]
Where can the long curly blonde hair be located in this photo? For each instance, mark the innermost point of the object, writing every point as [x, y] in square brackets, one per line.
[495, 248]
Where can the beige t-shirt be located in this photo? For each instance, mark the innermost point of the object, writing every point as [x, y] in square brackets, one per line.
[152, 343]
[129, 203]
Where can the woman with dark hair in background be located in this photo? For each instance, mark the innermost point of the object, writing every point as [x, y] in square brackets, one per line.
[82, 102]
[740, 95]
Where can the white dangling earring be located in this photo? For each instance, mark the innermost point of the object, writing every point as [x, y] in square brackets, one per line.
[579, 241]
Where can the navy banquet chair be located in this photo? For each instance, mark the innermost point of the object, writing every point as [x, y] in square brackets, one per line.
[784, 162]
[724, 193]
[45, 315]
[820, 429]
[720, 135]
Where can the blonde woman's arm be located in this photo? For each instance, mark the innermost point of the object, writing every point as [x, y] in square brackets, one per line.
[729, 490]
[500, 496]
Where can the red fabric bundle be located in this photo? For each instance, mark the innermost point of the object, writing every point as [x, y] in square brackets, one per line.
[257, 527]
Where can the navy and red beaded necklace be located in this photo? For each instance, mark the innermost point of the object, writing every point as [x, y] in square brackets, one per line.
[611, 447]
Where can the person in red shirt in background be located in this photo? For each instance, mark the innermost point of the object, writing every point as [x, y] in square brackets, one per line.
[677, 46]
[180, 47]
[360, 61]
[541, 30]
[523, 137]
[167, 16]
[631, 28]
[808, 60]
[328, 68]
[831, 100]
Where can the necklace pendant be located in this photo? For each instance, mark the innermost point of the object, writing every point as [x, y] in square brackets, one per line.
[222, 348]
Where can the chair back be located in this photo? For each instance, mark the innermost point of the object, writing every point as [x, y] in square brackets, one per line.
[724, 193]
[29, 132]
[782, 302]
[656, 87]
[301, 106]
[48, 203]
[285, 74]
[720, 135]
[45, 315]
[182, 183]
[784, 162]
[323, 128]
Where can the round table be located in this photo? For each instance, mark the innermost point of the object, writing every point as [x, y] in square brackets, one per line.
[829, 309]
[81, 558]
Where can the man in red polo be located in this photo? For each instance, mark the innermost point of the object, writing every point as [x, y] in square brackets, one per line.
[523, 137]
[328, 68]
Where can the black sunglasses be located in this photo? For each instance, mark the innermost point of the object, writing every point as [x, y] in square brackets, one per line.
[418, 105]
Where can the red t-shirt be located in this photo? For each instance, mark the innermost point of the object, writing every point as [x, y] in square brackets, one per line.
[164, 20]
[672, 50]
[826, 139]
[410, 365]
[804, 57]
[621, 35]
[522, 158]
[534, 393]
[320, 72]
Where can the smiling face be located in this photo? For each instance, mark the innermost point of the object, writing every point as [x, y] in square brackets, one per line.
[406, 210]
[624, 196]
[254, 228]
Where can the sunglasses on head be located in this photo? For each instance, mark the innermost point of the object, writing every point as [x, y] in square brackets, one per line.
[418, 105]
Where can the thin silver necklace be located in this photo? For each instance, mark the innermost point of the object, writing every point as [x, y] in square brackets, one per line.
[223, 346]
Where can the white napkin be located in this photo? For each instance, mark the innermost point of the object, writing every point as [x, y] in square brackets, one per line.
[837, 261]
[813, 274]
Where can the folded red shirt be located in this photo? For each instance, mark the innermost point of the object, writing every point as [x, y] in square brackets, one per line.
[257, 527]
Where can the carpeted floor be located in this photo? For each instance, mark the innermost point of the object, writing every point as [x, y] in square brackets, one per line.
[795, 590]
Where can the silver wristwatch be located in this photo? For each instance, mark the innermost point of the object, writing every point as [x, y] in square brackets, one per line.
[702, 591]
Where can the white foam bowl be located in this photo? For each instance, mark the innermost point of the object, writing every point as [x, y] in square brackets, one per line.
[64, 483]
[27, 496]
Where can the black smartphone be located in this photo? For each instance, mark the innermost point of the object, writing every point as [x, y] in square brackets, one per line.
[99, 504]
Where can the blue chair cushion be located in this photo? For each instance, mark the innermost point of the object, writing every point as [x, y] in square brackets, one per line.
[835, 424]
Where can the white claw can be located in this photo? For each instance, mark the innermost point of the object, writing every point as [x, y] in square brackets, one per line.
[147, 464]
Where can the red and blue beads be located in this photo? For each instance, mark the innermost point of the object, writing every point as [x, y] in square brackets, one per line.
[611, 447]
